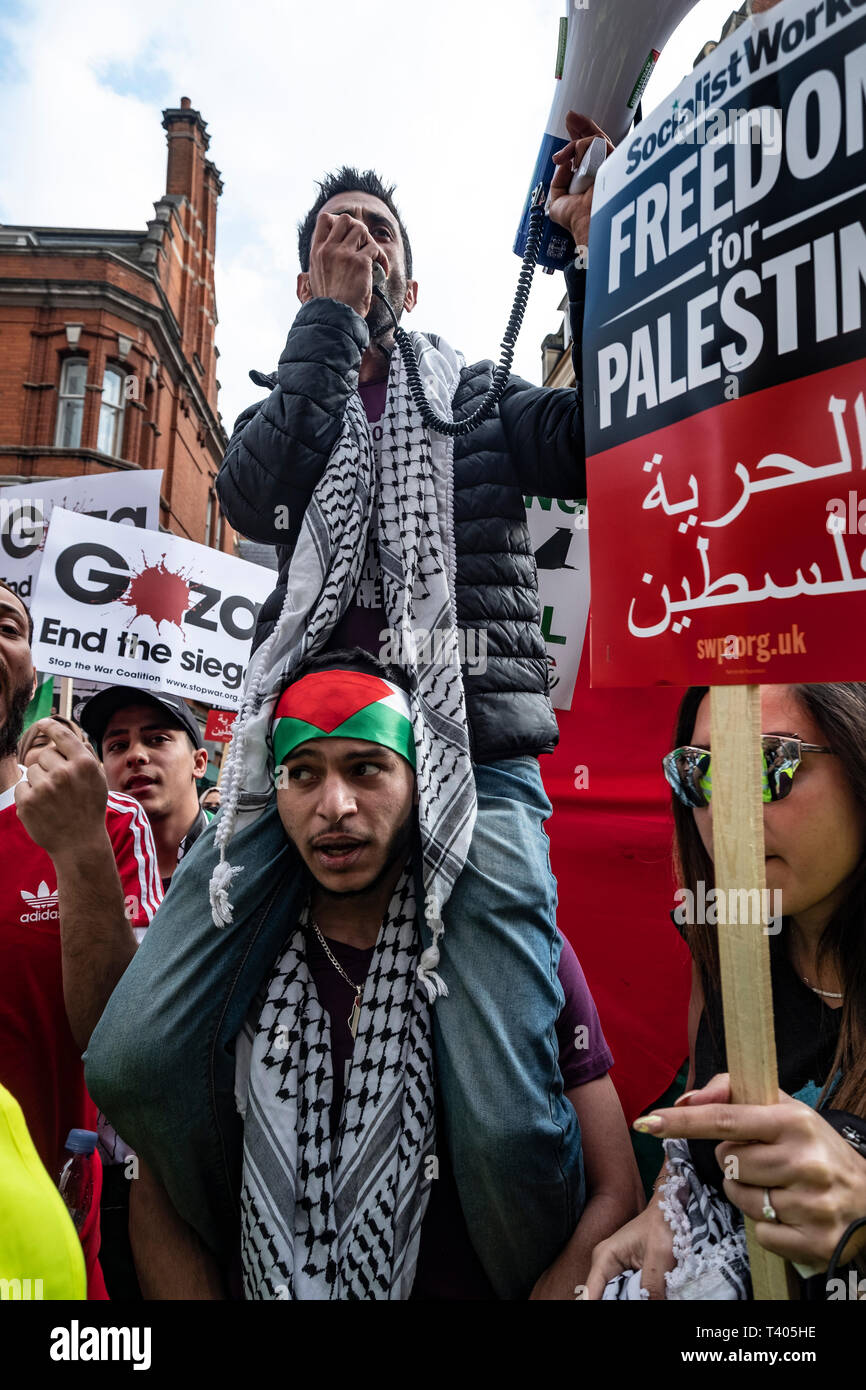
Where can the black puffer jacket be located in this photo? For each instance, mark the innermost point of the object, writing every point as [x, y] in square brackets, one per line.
[533, 445]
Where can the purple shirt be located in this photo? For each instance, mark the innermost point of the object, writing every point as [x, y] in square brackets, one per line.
[365, 617]
[448, 1267]
[373, 396]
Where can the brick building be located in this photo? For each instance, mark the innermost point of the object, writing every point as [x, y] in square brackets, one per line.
[107, 354]
[556, 364]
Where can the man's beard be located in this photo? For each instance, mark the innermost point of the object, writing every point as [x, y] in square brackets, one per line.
[398, 851]
[12, 730]
[378, 320]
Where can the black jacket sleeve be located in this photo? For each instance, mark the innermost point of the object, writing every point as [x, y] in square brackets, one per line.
[544, 426]
[280, 447]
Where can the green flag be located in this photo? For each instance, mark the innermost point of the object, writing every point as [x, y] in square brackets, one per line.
[40, 705]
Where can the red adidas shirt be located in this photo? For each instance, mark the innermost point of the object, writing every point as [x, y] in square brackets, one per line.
[40, 1062]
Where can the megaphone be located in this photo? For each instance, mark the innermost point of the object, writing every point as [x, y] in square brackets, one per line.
[604, 62]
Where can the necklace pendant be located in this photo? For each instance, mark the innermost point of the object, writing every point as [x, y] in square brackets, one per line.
[352, 1020]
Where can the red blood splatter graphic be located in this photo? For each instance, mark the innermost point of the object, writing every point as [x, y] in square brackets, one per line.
[82, 508]
[157, 593]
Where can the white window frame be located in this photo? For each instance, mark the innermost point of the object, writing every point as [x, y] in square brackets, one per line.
[116, 411]
[64, 397]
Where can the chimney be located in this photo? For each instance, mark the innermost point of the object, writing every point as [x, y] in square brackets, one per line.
[188, 140]
[193, 187]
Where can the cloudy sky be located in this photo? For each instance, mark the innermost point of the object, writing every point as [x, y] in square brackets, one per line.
[448, 99]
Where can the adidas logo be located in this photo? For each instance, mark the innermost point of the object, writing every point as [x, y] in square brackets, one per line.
[43, 905]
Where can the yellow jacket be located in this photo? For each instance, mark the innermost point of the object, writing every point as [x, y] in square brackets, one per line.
[40, 1253]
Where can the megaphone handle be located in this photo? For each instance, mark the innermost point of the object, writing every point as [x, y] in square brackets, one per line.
[592, 161]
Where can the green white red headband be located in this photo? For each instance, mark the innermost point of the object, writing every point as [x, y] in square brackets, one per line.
[343, 704]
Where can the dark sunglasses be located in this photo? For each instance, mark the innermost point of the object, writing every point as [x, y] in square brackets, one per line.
[688, 769]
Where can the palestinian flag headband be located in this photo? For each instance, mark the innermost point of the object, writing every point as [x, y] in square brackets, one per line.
[343, 704]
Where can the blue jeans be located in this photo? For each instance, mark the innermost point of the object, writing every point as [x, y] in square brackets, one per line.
[160, 1063]
[514, 1139]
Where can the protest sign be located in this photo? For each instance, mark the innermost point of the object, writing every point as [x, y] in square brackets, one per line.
[218, 728]
[559, 540]
[131, 497]
[724, 367]
[119, 605]
[726, 427]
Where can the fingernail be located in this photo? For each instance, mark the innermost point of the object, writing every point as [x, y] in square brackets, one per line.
[648, 1124]
[681, 1100]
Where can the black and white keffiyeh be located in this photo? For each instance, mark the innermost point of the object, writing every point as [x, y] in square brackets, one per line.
[709, 1239]
[409, 489]
[342, 1220]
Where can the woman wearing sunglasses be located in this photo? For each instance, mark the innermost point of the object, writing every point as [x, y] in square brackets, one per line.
[798, 1168]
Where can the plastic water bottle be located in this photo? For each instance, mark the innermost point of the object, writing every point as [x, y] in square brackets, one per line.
[76, 1175]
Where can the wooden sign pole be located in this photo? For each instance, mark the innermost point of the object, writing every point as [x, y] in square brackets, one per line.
[65, 697]
[744, 946]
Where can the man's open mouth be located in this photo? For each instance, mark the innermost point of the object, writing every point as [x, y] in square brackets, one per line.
[339, 854]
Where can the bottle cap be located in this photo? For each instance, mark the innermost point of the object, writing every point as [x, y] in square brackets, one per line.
[81, 1141]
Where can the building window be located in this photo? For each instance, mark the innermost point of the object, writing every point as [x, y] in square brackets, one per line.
[111, 413]
[70, 412]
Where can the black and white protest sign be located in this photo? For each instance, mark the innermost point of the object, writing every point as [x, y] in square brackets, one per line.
[131, 497]
[123, 606]
[560, 543]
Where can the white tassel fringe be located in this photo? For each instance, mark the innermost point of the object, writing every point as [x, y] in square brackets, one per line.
[220, 883]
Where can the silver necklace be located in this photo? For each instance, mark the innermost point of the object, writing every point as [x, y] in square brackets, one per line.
[352, 1020]
[827, 993]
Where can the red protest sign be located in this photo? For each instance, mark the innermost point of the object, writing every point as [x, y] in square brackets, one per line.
[738, 538]
[724, 379]
[725, 369]
[218, 728]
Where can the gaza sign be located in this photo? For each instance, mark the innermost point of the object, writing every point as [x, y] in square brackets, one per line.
[725, 365]
[145, 608]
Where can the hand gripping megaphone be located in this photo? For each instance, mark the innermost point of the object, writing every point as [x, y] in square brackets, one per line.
[603, 66]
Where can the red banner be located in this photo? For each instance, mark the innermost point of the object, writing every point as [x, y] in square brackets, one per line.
[611, 825]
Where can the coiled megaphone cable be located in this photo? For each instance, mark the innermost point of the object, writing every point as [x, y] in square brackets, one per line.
[509, 338]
